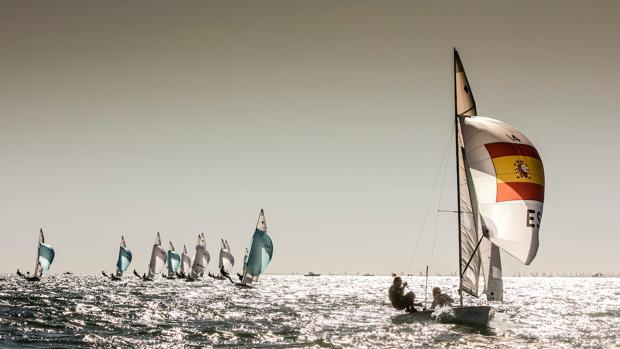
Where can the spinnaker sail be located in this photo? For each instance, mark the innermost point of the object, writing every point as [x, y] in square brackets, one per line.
[260, 252]
[124, 258]
[45, 256]
[158, 258]
[174, 261]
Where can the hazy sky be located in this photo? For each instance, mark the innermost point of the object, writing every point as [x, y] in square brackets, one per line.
[186, 117]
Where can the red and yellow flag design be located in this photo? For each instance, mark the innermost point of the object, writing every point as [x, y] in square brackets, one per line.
[519, 171]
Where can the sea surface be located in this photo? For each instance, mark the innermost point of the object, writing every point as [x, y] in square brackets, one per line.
[289, 311]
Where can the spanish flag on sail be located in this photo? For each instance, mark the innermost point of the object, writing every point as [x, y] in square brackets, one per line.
[519, 171]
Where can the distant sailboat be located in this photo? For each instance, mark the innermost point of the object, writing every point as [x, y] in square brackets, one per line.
[186, 263]
[260, 253]
[227, 261]
[174, 262]
[500, 182]
[122, 263]
[201, 259]
[157, 263]
[45, 257]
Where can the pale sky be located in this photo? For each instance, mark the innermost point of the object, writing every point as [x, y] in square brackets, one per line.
[136, 117]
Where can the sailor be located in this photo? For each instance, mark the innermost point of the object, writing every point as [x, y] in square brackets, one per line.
[440, 299]
[399, 299]
[225, 274]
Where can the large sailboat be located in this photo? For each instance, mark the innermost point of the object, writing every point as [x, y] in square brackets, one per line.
[174, 262]
[260, 253]
[122, 263]
[501, 184]
[157, 263]
[201, 259]
[45, 257]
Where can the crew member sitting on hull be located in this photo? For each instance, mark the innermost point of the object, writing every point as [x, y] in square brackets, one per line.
[399, 299]
[440, 299]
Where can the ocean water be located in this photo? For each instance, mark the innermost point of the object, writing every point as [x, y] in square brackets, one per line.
[288, 311]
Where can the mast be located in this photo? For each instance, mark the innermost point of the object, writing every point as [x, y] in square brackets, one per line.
[458, 179]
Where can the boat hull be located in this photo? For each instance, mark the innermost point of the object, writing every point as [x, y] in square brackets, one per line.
[468, 315]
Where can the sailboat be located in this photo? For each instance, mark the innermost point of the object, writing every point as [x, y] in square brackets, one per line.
[201, 259]
[122, 263]
[260, 254]
[45, 257]
[227, 261]
[157, 263]
[186, 263]
[174, 262]
[501, 184]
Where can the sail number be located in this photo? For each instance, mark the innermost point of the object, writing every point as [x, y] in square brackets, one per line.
[533, 218]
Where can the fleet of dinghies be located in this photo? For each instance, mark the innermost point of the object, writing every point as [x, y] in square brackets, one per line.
[180, 266]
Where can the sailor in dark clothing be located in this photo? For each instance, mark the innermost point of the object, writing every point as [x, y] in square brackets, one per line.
[399, 299]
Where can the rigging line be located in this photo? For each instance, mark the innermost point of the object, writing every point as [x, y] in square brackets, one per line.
[441, 193]
[442, 167]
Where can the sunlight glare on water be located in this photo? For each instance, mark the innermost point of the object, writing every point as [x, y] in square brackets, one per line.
[296, 311]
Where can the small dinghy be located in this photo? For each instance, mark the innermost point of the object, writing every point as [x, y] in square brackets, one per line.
[201, 259]
[174, 262]
[312, 274]
[227, 261]
[260, 254]
[186, 264]
[122, 263]
[157, 263]
[45, 257]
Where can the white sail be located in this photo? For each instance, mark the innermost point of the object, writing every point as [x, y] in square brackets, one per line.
[509, 180]
[158, 258]
[45, 256]
[227, 261]
[469, 255]
[201, 258]
[491, 270]
[186, 262]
